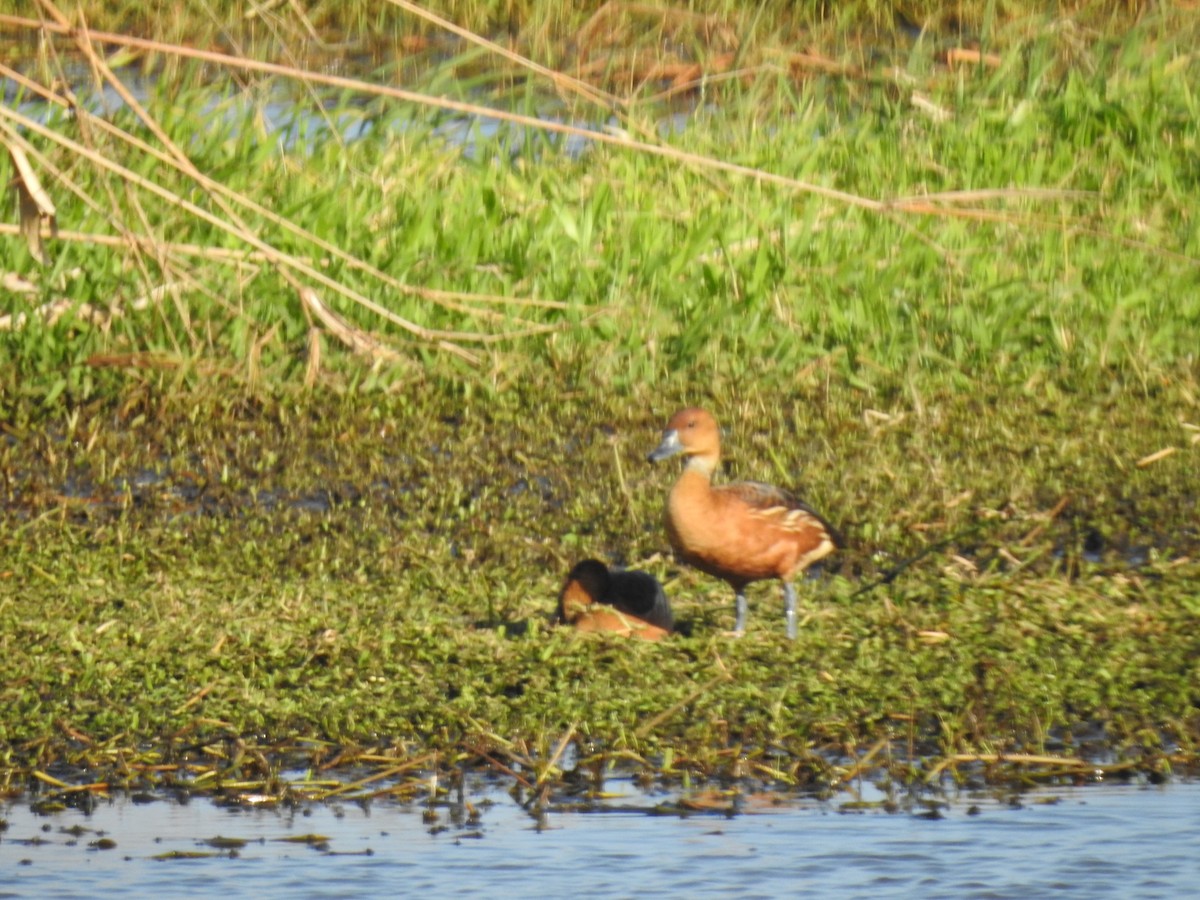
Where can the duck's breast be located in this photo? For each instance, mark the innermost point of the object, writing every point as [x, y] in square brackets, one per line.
[609, 620]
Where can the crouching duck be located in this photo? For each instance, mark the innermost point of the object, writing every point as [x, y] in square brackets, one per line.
[624, 603]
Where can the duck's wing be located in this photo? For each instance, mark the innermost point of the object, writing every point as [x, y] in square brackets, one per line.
[788, 510]
[639, 594]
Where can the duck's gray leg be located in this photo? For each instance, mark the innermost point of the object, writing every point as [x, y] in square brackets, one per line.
[739, 622]
[789, 609]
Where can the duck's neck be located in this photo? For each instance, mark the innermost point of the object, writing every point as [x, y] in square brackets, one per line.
[692, 490]
[702, 464]
[690, 505]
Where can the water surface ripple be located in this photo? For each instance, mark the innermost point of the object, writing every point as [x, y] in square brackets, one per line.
[1094, 842]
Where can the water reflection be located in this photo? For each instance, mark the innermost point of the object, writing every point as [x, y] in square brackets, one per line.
[300, 118]
[1085, 842]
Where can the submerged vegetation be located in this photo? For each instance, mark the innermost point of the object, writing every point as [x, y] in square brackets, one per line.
[307, 413]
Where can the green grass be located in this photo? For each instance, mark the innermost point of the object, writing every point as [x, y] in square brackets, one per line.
[973, 393]
[686, 269]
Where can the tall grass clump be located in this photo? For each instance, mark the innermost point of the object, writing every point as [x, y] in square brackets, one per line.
[926, 208]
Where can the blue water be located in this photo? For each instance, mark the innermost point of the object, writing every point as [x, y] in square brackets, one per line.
[286, 113]
[1093, 842]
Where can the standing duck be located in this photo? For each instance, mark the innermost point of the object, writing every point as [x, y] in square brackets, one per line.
[624, 603]
[740, 532]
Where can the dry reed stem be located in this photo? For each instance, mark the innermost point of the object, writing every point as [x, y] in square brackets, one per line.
[862, 764]
[559, 750]
[956, 56]
[36, 209]
[217, 190]
[1067, 763]
[389, 772]
[358, 341]
[52, 311]
[83, 42]
[559, 79]
[1155, 457]
[219, 254]
[50, 780]
[13, 137]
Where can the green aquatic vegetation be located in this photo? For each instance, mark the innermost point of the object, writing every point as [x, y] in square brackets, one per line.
[391, 587]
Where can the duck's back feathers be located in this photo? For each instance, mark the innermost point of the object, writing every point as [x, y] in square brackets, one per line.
[640, 594]
[626, 603]
[784, 508]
